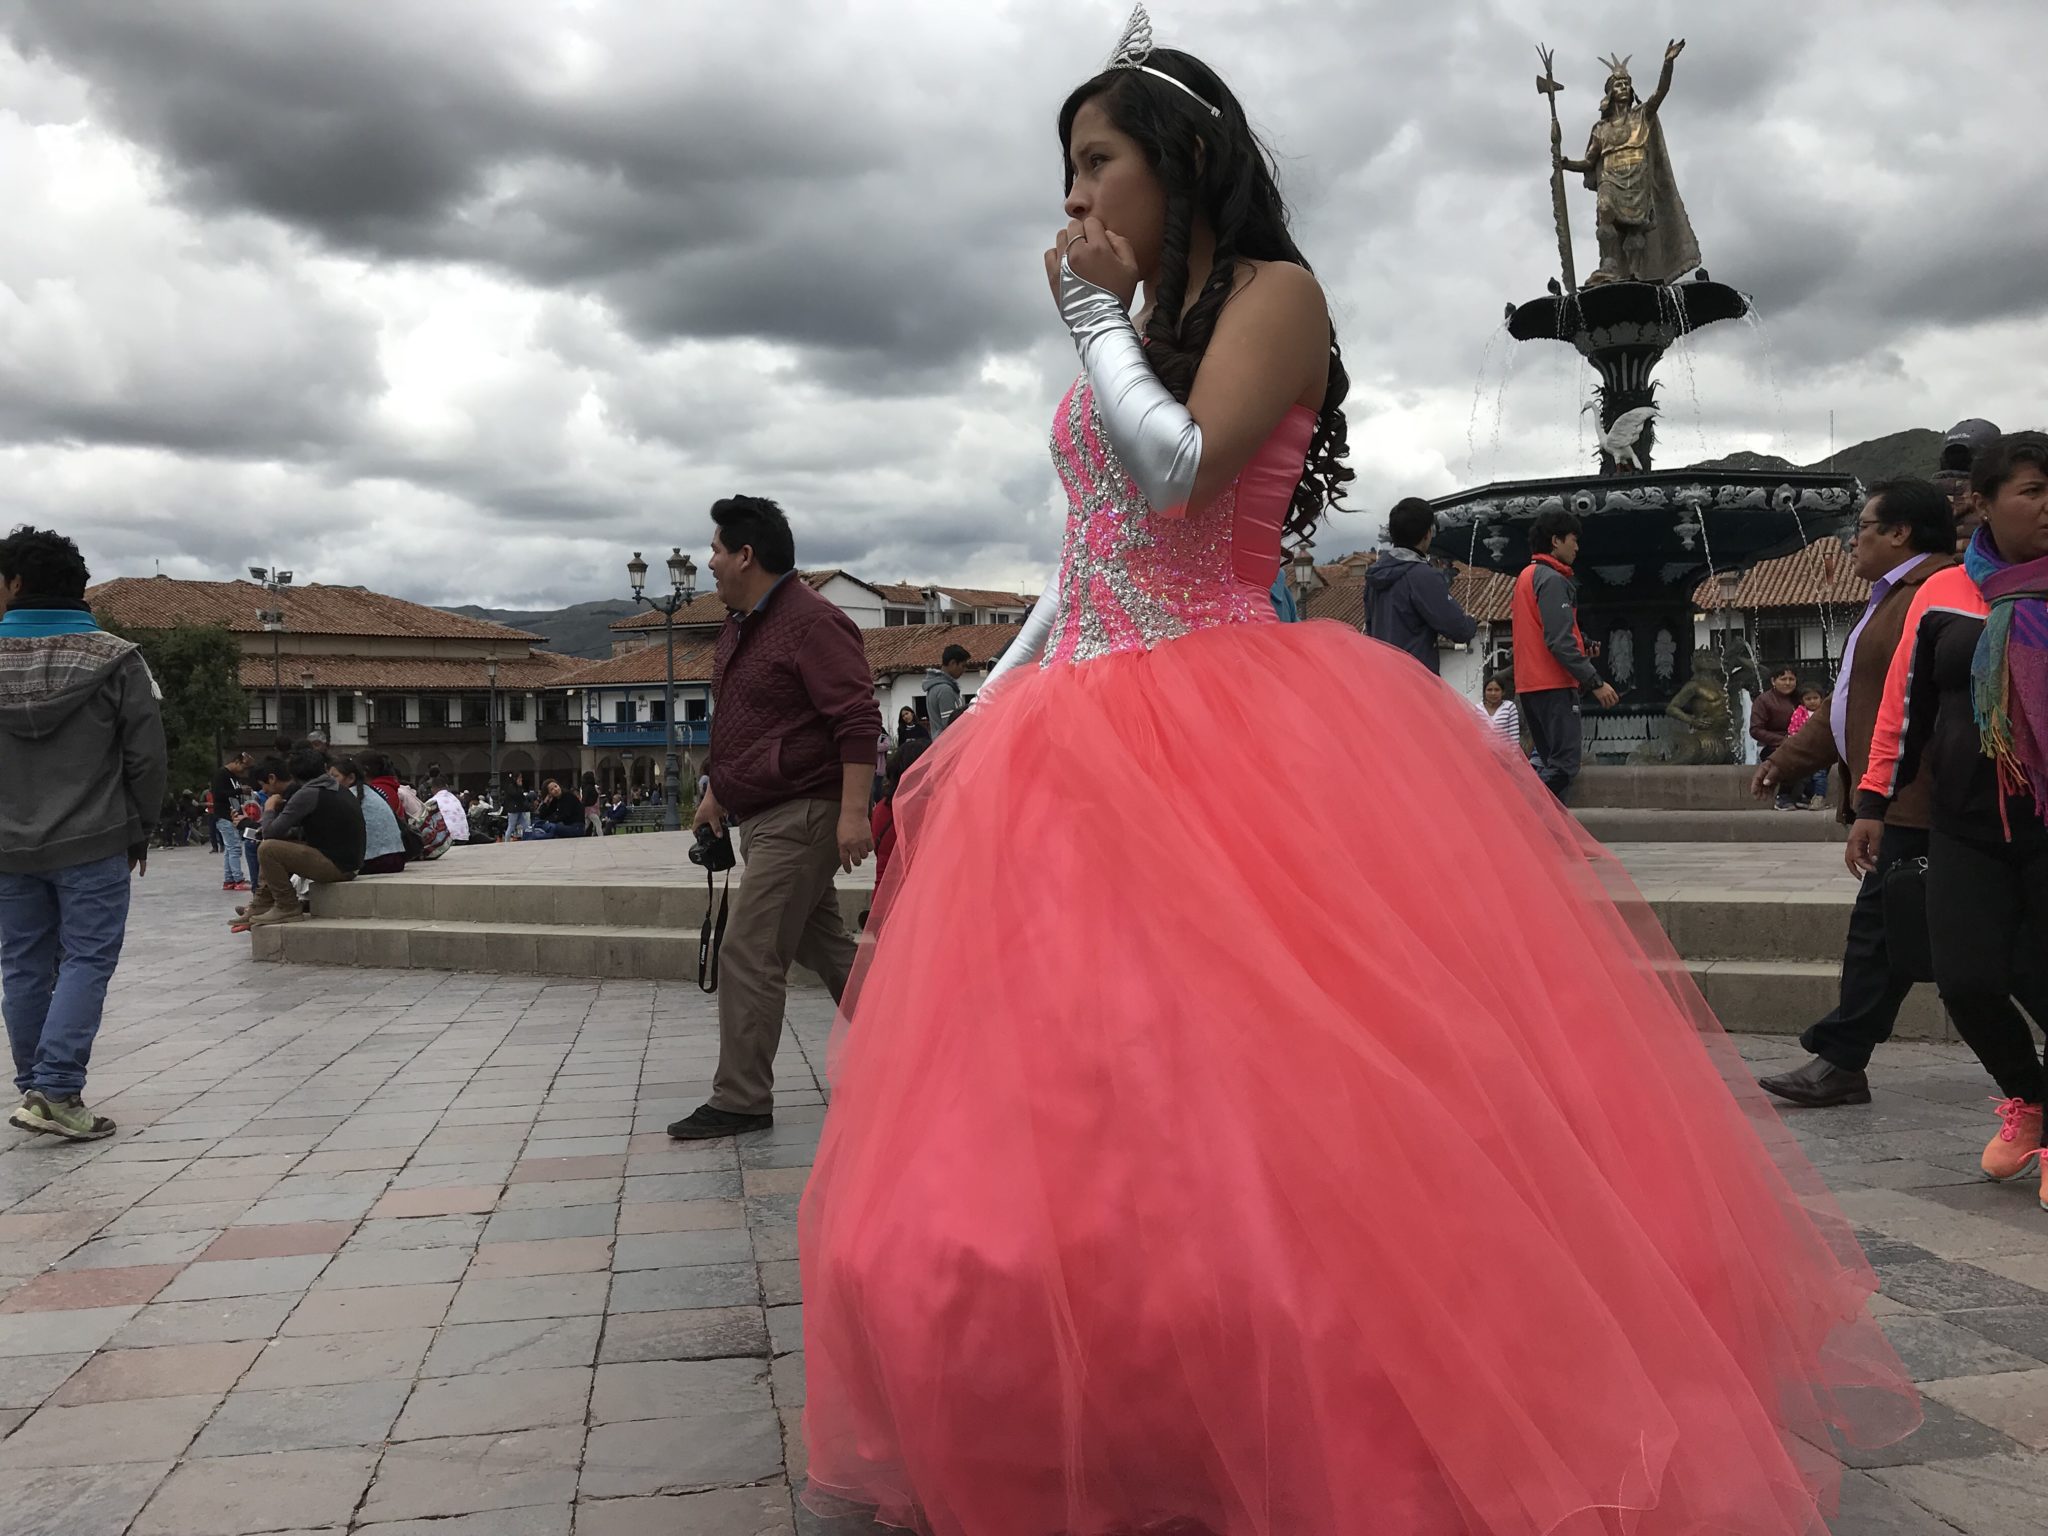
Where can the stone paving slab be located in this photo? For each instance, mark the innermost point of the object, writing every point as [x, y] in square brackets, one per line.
[406, 1252]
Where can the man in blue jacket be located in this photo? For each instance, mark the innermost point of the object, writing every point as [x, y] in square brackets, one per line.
[1408, 601]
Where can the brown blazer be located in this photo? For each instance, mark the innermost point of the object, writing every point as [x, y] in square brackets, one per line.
[1814, 747]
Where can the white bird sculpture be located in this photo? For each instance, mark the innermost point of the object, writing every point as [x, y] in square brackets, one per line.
[1619, 441]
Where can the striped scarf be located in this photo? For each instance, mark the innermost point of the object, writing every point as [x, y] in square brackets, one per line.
[2009, 672]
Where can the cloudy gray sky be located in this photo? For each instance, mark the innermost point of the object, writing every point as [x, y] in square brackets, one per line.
[467, 300]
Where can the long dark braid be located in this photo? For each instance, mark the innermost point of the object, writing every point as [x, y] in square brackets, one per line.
[1219, 169]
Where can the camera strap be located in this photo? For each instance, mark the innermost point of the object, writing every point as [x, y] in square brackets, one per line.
[711, 938]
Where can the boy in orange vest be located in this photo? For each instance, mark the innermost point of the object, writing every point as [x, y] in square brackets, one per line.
[1551, 665]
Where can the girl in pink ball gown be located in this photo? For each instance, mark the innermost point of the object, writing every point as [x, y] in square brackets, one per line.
[1333, 1146]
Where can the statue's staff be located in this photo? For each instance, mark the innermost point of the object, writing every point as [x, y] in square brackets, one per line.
[1547, 86]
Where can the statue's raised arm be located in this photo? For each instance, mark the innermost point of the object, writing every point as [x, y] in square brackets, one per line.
[1645, 236]
[1671, 53]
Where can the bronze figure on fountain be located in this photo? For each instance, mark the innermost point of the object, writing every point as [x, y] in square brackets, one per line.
[1645, 236]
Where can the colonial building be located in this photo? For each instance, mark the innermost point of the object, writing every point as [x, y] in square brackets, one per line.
[425, 688]
[1793, 611]
[908, 603]
[621, 702]
[888, 605]
[619, 707]
[705, 613]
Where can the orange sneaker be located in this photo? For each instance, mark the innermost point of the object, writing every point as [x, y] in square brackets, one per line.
[2018, 1141]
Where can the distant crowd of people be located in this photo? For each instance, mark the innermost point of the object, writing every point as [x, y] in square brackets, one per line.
[305, 815]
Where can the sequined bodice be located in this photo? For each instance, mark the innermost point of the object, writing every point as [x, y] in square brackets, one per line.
[1131, 578]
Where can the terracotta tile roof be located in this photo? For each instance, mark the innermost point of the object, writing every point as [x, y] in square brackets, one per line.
[908, 594]
[1487, 595]
[1820, 573]
[982, 597]
[159, 602]
[914, 647]
[649, 664]
[372, 674]
[704, 610]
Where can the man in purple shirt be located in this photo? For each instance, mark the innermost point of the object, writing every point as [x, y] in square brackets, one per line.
[793, 730]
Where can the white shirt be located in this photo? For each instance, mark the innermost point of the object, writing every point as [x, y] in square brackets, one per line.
[1838, 711]
[1506, 723]
[453, 813]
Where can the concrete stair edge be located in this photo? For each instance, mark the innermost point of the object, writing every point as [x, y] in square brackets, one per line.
[621, 953]
[1766, 996]
[1630, 824]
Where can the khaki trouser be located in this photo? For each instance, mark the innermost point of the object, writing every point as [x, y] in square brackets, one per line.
[785, 910]
[279, 859]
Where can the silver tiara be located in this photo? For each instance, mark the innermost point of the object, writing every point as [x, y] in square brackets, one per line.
[1135, 47]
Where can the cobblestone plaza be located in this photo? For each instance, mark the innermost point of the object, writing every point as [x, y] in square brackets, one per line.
[408, 1252]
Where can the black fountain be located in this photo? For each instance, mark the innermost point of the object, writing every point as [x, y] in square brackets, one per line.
[1651, 535]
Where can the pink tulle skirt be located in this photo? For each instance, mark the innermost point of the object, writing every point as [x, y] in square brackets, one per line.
[1263, 1113]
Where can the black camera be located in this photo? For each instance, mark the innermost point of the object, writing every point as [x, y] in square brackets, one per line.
[712, 850]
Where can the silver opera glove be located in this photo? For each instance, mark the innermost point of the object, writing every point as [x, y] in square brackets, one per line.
[1158, 441]
[1029, 645]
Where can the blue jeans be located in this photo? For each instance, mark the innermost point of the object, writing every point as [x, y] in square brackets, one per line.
[231, 849]
[544, 830]
[77, 916]
[518, 824]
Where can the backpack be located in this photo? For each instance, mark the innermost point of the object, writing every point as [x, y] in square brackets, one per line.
[433, 833]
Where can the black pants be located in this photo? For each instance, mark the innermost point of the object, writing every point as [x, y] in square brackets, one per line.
[1871, 996]
[1987, 916]
[1552, 715]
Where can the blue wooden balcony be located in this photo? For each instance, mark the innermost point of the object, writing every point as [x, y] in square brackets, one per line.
[645, 733]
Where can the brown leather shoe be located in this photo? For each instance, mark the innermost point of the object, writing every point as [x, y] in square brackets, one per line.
[1820, 1084]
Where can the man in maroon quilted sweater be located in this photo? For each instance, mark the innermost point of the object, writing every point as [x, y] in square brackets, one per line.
[793, 729]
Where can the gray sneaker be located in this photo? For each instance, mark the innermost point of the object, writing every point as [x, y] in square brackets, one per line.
[68, 1117]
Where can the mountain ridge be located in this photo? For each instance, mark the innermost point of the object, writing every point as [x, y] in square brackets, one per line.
[1915, 451]
[581, 629]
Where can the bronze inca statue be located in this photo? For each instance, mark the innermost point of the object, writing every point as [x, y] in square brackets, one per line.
[1703, 708]
[1645, 236]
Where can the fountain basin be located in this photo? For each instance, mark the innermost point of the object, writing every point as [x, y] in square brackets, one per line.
[1626, 314]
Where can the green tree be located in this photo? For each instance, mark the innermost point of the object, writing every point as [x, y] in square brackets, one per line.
[198, 668]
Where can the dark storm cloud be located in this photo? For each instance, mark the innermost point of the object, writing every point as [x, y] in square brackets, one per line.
[545, 278]
[698, 196]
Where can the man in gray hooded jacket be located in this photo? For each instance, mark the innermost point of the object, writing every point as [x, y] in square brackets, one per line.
[1408, 601]
[942, 701]
[82, 775]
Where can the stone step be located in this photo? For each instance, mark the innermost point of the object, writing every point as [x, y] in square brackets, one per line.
[1752, 996]
[544, 949]
[1717, 925]
[1782, 997]
[1619, 824]
[652, 904]
[1659, 788]
[1734, 926]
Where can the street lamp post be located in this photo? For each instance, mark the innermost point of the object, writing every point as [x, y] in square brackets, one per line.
[1302, 572]
[274, 581]
[682, 575]
[491, 671]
